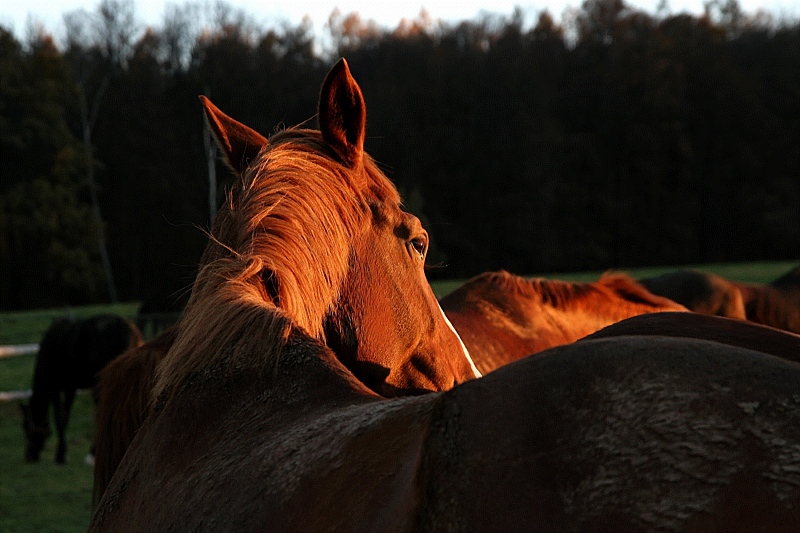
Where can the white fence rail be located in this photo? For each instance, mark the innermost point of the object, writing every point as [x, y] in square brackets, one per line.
[12, 351]
[7, 396]
[19, 349]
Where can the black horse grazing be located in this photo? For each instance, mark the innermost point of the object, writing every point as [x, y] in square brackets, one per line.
[71, 354]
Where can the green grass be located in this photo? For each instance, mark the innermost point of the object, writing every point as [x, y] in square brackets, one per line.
[46, 497]
[16, 373]
[25, 327]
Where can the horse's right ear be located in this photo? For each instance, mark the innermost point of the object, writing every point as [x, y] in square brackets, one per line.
[239, 143]
[343, 114]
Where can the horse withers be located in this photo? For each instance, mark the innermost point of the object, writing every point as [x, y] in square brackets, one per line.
[71, 353]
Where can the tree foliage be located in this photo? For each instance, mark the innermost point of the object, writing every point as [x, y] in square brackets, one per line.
[45, 225]
[614, 139]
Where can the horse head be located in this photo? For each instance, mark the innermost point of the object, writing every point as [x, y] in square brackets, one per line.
[35, 434]
[314, 229]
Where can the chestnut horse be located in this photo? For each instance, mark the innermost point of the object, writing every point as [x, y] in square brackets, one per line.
[71, 353]
[258, 425]
[701, 292]
[499, 316]
[502, 317]
[392, 262]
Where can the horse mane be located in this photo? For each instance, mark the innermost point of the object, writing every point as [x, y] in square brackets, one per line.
[567, 294]
[280, 249]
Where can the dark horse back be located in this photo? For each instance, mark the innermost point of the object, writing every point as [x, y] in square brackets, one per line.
[73, 351]
[99, 340]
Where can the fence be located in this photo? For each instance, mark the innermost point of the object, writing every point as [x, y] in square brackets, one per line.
[13, 351]
[19, 349]
[21, 328]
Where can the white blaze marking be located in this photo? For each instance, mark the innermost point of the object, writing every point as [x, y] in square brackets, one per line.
[466, 352]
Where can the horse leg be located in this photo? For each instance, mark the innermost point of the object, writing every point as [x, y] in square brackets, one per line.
[62, 409]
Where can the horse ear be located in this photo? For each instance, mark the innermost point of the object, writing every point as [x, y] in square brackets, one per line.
[239, 143]
[343, 114]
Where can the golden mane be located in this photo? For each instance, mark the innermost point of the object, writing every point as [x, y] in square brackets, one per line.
[547, 292]
[278, 254]
[566, 294]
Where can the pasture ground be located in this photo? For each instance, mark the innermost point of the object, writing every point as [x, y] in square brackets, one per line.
[47, 497]
[25, 327]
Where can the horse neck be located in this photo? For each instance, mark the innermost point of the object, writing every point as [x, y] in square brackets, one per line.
[523, 316]
[229, 332]
[305, 378]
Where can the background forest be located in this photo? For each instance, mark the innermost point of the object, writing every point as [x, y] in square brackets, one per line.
[613, 139]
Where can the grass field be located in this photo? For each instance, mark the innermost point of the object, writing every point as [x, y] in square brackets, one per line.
[25, 327]
[46, 497]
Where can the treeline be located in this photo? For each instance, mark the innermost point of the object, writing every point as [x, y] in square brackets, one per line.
[613, 139]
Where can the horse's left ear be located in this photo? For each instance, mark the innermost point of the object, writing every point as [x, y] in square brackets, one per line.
[239, 143]
[343, 114]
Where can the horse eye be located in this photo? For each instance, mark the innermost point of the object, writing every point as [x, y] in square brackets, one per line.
[420, 246]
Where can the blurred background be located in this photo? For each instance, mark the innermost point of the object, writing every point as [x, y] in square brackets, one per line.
[540, 139]
[602, 136]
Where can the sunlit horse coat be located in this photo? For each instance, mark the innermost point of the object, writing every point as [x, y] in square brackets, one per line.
[260, 426]
[502, 317]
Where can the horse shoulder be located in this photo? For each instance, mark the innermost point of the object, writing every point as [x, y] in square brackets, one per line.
[279, 460]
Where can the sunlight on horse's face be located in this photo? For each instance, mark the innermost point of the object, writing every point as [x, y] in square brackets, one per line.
[366, 293]
[396, 338]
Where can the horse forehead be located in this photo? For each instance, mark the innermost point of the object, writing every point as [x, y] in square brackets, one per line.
[412, 221]
[405, 223]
